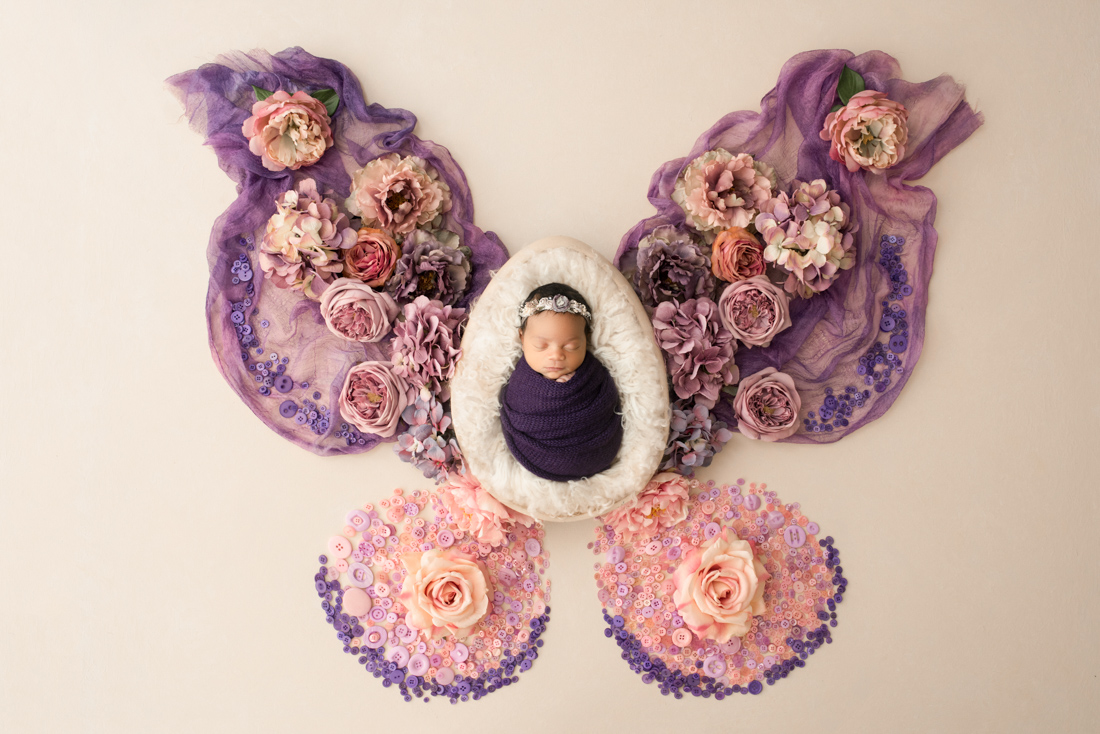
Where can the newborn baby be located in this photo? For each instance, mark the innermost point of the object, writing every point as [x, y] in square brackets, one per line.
[559, 408]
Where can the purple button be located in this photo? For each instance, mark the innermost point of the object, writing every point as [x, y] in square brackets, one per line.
[736, 499]
[377, 614]
[284, 384]
[236, 317]
[712, 529]
[898, 343]
[752, 502]
[775, 519]
[887, 323]
[673, 553]
[616, 554]
[794, 536]
[812, 528]
[532, 546]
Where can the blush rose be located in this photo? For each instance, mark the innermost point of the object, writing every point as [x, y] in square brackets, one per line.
[288, 130]
[444, 591]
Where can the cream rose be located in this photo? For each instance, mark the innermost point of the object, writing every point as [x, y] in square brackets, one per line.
[444, 591]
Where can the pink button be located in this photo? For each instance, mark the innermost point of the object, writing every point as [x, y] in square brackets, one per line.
[356, 602]
[653, 547]
[382, 590]
[752, 502]
[682, 637]
[341, 565]
[339, 546]
[445, 539]
[418, 664]
[460, 653]
[444, 676]
[398, 655]
[732, 646]
[812, 528]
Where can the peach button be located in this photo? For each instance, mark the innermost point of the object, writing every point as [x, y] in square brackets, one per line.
[682, 637]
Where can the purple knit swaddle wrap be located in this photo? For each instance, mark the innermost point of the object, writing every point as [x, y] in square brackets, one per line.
[562, 430]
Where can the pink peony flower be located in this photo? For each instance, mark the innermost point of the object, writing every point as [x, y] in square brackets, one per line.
[662, 504]
[373, 397]
[372, 258]
[719, 588]
[288, 131]
[475, 511]
[870, 132]
[719, 190]
[754, 311]
[425, 345]
[736, 255]
[398, 194]
[698, 349]
[354, 311]
[767, 405]
[444, 591]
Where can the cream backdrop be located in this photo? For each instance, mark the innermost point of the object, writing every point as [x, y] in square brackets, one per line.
[157, 542]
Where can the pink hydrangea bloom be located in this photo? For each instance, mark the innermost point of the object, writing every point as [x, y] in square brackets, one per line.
[870, 132]
[719, 190]
[477, 512]
[398, 194]
[698, 349]
[288, 130]
[662, 504]
[426, 345]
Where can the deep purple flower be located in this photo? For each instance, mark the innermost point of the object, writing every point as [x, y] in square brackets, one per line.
[698, 349]
[671, 266]
[432, 264]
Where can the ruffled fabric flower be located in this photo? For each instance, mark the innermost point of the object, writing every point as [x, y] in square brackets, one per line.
[429, 443]
[662, 504]
[444, 591]
[767, 405]
[719, 588]
[426, 345]
[398, 194]
[372, 258]
[870, 132]
[373, 398]
[303, 243]
[695, 436]
[754, 311]
[475, 511]
[809, 234]
[671, 266]
[736, 255]
[432, 265]
[719, 190]
[354, 311]
[698, 349]
[288, 130]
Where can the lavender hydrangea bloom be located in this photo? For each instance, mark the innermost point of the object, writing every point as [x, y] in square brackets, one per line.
[698, 348]
[695, 436]
[671, 266]
[426, 345]
[429, 443]
[432, 264]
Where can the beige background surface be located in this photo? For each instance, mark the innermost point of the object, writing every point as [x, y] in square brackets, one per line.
[157, 542]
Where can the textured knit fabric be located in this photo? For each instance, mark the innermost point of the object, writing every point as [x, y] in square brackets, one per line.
[562, 430]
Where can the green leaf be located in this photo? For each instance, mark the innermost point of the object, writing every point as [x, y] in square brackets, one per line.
[850, 83]
[261, 94]
[837, 107]
[330, 99]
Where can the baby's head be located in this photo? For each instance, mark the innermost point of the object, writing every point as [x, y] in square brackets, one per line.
[555, 322]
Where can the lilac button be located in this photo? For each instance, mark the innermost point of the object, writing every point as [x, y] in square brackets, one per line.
[284, 384]
[398, 655]
[812, 528]
[375, 637]
[360, 576]
[378, 614]
[445, 538]
[288, 409]
[616, 554]
[714, 666]
[752, 502]
[673, 553]
[732, 646]
[712, 529]
[419, 664]
[775, 519]
[532, 546]
[444, 676]
[736, 499]
[794, 536]
[460, 653]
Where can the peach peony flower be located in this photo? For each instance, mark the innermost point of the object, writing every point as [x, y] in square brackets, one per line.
[870, 132]
[477, 512]
[288, 131]
[353, 311]
[719, 190]
[662, 504]
[736, 255]
[372, 258]
[719, 588]
[398, 194]
[444, 591]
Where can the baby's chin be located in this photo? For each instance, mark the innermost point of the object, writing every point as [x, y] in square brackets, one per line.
[556, 374]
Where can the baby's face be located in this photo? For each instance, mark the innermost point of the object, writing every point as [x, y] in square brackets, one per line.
[554, 343]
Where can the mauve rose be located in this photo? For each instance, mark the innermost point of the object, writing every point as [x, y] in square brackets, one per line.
[754, 311]
[698, 349]
[288, 131]
[354, 311]
[767, 405]
[662, 504]
[736, 255]
[718, 190]
[372, 258]
[373, 397]
[719, 587]
[444, 591]
[475, 511]
[398, 194]
[870, 132]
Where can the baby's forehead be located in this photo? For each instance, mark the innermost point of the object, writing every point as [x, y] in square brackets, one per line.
[550, 324]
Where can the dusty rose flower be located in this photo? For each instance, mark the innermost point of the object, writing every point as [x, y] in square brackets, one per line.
[754, 311]
[372, 258]
[354, 311]
[870, 132]
[373, 397]
[736, 255]
[429, 442]
[809, 234]
[698, 349]
[444, 591]
[719, 190]
[288, 130]
[398, 194]
[719, 587]
[425, 345]
[662, 504]
[767, 405]
[475, 511]
[302, 245]
[432, 264]
[671, 266]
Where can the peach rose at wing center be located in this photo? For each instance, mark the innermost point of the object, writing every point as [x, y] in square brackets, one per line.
[720, 588]
[736, 255]
[444, 591]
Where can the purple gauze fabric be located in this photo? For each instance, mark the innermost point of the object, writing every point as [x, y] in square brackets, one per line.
[562, 430]
[255, 327]
[852, 348]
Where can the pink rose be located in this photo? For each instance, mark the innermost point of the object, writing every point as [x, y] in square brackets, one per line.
[662, 504]
[870, 132]
[398, 194]
[754, 311]
[475, 511]
[736, 255]
[372, 258]
[719, 190]
[373, 397]
[288, 131]
[352, 310]
[767, 405]
[720, 588]
[444, 591]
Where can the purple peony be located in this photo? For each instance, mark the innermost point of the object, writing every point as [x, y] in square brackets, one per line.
[698, 349]
[671, 267]
[695, 436]
[429, 444]
[425, 345]
[767, 405]
[432, 264]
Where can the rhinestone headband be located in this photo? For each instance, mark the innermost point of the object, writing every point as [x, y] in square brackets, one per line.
[558, 304]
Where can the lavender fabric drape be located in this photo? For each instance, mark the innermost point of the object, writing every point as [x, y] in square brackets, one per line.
[258, 331]
[852, 348]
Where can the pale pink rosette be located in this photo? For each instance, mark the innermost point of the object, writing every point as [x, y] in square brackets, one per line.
[372, 258]
[477, 512]
[754, 311]
[720, 587]
[398, 194]
[373, 398]
[445, 591]
[288, 130]
[870, 132]
[767, 405]
[354, 311]
[736, 255]
[719, 190]
[662, 504]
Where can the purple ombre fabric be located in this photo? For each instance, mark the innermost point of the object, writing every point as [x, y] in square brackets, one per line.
[276, 339]
[853, 339]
